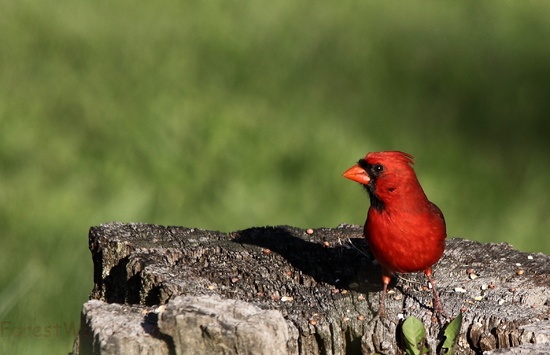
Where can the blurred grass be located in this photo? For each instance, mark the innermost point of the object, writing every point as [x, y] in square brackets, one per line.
[226, 115]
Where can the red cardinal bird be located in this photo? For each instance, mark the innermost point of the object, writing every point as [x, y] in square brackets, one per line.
[405, 231]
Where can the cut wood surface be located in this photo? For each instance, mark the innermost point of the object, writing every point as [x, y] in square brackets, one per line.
[176, 290]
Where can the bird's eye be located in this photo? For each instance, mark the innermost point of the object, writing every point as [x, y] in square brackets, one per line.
[377, 168]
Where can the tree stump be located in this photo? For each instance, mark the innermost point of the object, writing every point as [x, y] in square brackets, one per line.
[277, 290]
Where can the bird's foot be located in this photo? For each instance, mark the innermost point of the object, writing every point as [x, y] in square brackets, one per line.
[438, 311]
[380, 314]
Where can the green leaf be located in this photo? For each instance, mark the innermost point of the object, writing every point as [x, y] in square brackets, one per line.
[452, 330]
[415, 336]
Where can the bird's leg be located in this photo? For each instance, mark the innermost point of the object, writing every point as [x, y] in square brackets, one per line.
[438, 305]
[382, 307]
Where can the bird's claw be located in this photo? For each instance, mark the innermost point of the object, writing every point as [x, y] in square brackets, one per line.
[438, 311]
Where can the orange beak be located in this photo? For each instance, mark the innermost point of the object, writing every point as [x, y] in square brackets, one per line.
[357, 173]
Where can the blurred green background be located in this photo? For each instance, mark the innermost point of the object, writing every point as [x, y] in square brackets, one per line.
[227, 115]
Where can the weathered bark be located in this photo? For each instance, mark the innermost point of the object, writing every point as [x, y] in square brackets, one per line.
[209, 325]
[322, 285]
[120, 329]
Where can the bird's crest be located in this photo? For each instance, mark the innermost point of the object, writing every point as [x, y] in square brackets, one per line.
[391, 155]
